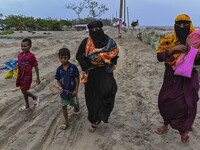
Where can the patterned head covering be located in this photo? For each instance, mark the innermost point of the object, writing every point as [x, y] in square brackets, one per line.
[169, 41]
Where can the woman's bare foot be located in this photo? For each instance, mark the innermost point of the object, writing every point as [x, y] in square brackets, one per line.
[162, 129]
[184, 137]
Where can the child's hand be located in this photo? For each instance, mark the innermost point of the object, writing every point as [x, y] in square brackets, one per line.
[74, 93]
[83, 78]
[84, 75]
[38, 81]
[60, 90]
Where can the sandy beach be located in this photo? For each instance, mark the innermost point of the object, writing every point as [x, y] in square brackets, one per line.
[135, 115]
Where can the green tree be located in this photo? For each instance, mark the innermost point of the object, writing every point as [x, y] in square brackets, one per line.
[94, 9]
[134, 23]
[13, 21]
[54, 24]
[66, 22]
[19, 20]
[41, 23]
[1, 20]
[27, 22]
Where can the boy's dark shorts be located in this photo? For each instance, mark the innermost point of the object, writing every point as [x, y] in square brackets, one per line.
[69, 101]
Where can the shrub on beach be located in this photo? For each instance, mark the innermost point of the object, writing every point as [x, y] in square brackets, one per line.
[151, 36]
[6, 32]
[46, 33]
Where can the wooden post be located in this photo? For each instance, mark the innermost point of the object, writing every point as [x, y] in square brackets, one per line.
[120, 19]
[128, 17]
[124, 14]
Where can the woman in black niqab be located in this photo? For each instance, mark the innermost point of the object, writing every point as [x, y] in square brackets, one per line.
[101, 87]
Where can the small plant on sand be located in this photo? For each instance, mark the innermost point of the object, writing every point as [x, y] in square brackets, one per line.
[134, 23]
[6, 32]
[139, 36]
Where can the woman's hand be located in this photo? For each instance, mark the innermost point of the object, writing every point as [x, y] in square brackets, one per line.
[97, 64]
[96, 61]
[179, 48]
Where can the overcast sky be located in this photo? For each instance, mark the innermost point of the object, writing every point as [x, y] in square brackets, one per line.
[148, 12]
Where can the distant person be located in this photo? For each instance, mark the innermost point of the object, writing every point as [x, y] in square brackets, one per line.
[86, 29]
[67, 76]
[26, 62]
[97, 56]
[178, 96]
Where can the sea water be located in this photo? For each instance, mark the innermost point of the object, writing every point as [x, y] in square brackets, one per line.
[10, 40]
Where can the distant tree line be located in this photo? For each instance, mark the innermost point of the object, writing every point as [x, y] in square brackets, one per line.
[30, 23]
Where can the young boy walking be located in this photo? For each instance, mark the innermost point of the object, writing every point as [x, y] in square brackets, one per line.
[67, 76]
[26, 62]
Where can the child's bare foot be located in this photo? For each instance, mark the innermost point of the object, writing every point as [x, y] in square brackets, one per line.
[64, 126]
[91, 129]
[36, 102]
[162, 129]
[23, 108]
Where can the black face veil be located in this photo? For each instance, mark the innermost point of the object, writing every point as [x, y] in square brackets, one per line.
[99, 38]
[182, 32]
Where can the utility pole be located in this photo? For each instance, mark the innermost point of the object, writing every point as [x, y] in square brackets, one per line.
[128, 17]
[124, 14]
[120, 18]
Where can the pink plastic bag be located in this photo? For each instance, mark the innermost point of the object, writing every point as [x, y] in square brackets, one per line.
[184, 64]
[179, 61]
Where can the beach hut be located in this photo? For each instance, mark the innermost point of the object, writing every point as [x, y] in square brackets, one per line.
[80, 27]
